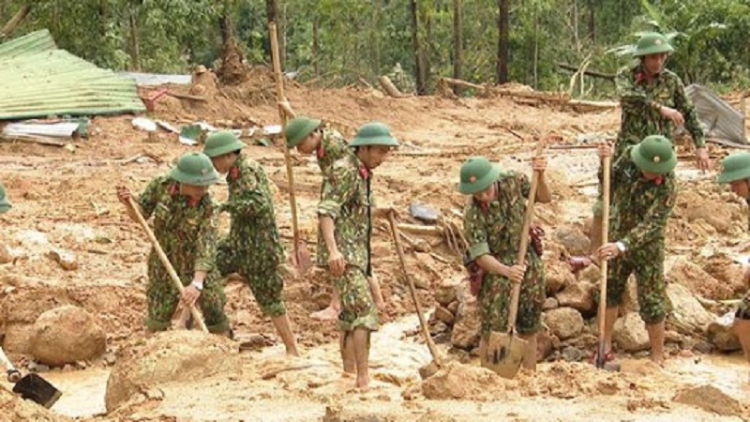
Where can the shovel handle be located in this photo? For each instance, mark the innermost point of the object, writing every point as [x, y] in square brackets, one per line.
[13, 375]
[413, 291]
[606, 170]
[527, 217]
[197, 317]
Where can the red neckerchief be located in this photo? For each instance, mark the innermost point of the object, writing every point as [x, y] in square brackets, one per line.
[321, 152]
[174, 189]
[234, 173]
[364, 172]
[659, 180]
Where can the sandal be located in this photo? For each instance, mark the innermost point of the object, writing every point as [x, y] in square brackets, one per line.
[578, 263]
[608, 357]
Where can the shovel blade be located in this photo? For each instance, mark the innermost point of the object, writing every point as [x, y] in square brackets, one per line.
[301, 258]
[37, 389]
[504, 354]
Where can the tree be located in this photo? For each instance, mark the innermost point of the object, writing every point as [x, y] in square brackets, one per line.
[421, 71]
[503, 22]
[458, 48]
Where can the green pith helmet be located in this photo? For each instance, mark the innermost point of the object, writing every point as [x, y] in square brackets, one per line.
[196, 169]
[652, 43]
[374, 133]
[298, 129]
[735, 167]
[220, 143]
[4, 204]
[655, 155]
[477, 174]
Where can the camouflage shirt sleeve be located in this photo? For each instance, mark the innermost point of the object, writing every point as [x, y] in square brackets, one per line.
[654, 219]
[337, 189]
[684, 104]
[475, 232]
[150, 197]
[206, 245]
[251, 198]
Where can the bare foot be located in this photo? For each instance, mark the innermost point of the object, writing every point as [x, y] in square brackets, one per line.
[326, 314]
[658, 360]
[363, 384]
[348, 374]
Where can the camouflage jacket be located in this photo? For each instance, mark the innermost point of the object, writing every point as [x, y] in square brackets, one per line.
[333, 147]
[185, 231]
[253, 233]
[639, 103]
[347, 198]
[495, 229]
[642, 207]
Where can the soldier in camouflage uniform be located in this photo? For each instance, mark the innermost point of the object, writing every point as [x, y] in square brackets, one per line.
[644, 197]
[345, 213]
[253, 247]
[185, 227]
[493, 220]
[653, 102]
[736, 172]
[4, 203]
[329, 146]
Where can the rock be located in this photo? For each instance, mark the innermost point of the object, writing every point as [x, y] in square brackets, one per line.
[455, 381]
[558, 277]
[170, 356]
[681, 271]
[688, 315]
[5, 256]
[572, 354]
[717, 214]
[447, 291]
[14, 408]
[65, 335]
[466, 329]
[438, 327]
[444, 315]
[721, 334]
[703, 347]
[591, 274]
[630, 333]
[550, 303]
[579, 296]
[321, 300]
[453, 307]
[66, 259]
[711, 399]
[575, 242]
[563, 322]
[544, 345]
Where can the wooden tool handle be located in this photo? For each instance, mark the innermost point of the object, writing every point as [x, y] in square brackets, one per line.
[527, 217]
[197, 317]
[283, 114]
[13, 374]
[606, 169]
[413, 292]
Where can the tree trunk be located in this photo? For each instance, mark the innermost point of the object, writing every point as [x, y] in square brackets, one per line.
[316, 46]
[536, 48]
[503, 21]
[458, 45]
[15, 21]
[592, 22]
[272, 13]
[419, 58]
[135, 48]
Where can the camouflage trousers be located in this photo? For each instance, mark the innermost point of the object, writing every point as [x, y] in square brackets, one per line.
[648, 265]
[495, 294]
[358, 308]
[743, 310]
[264, 280]
[162, 300]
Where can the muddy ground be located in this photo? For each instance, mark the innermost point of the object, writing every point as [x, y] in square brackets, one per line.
[65, 199]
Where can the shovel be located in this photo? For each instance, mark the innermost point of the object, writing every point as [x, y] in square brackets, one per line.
[32, 386]
[197, 318]
[505, 351]
[433, 366]
[301, 253]
[601, 359]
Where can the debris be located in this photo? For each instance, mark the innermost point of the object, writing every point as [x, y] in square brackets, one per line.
[154, 79]
[455, 381]
[196, 133]
[272, 130]
[48, 130]
[66, 259]
[168, 127]
[144, 124]
[67, 334]
[466, 330]
[719, 118]
[424, 213]
[39, 80]
[711, 399]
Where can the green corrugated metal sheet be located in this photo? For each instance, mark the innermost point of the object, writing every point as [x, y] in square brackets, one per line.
[38, 80]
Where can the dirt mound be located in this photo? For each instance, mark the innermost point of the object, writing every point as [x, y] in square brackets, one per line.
[711, 399]
[729, 273]
[456, 381]
[14, 408]
[172, 356]
[569, 380]
[699, 282]
[66, 335]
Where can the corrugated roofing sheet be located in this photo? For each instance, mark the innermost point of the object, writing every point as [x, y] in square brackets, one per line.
[719, 118]
[38, 80]
[151, 79]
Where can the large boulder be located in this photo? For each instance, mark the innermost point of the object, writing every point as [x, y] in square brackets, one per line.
[722, 335]
[447, 291]
[699, 282]
[558, 277]
[66, 335]
[575, 242]
[579, 296]
[171, 356]
[688, 315]
[466, 328]
[563, 322]
[630, 333]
